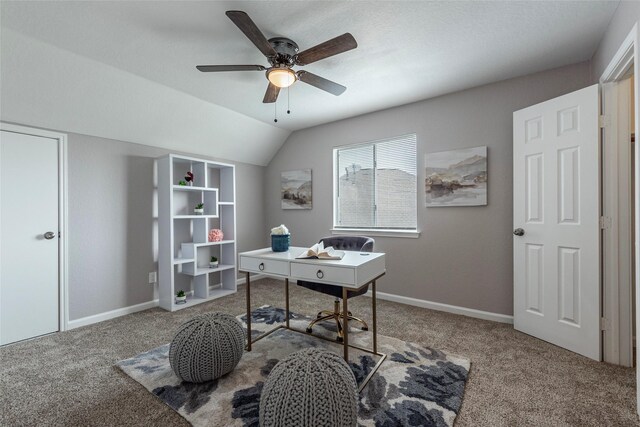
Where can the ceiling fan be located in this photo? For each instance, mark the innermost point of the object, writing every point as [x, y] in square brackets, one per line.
[282, 54]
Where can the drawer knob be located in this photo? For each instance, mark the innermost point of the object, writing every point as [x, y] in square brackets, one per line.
[319, 274]
[261, 266]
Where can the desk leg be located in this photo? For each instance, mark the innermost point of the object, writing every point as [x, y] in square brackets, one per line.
[373, 312]
[345, 324]
[286, 293]
[248, 285]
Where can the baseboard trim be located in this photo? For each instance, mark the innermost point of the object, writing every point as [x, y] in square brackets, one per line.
[469, 312]
[89, 320]
[438, 306]
[243, 280]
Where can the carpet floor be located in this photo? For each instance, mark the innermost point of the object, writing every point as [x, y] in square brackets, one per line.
[69, 378]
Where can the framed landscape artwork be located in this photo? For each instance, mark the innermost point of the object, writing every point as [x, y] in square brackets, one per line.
[456, 177]
[296, 189]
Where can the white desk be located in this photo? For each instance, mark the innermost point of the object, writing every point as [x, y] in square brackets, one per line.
[352, 272]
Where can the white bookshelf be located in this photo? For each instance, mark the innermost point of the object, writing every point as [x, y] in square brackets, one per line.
[184, 249]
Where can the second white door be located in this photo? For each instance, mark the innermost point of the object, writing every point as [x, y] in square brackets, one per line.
[29, 291]
[556, 215]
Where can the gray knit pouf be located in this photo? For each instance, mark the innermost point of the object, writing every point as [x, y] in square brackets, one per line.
[206, 347]
[310, 387]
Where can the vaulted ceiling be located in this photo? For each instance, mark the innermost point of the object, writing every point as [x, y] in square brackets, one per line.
[126, 70]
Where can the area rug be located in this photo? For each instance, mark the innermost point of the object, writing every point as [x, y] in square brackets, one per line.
[415, 385]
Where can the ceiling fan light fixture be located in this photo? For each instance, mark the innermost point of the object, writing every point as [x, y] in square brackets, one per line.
[283, 54]
[281, 77]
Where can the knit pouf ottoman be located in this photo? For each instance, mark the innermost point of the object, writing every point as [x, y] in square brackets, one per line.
[310, 387]
[206, 347]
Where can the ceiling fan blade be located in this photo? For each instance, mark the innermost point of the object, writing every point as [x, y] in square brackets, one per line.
[253, 33]
[329, 48]
[321, 83]
[213, 68]
[272, 94]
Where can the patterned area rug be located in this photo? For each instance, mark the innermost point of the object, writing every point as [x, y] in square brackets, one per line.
[415, 386]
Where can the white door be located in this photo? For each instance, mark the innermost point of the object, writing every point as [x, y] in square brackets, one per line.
[28, 260]
[556, 196]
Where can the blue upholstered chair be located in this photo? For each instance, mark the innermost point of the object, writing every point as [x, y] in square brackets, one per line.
[343, 243]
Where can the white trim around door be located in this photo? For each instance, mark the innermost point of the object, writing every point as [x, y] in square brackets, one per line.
[616, 223]
[63, 225]
[617, 69]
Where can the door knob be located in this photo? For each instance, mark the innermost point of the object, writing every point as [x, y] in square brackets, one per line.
[49, 235]
[518, 232]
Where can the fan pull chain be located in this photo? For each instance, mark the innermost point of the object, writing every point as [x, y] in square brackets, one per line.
[275, 112]
[288, 110]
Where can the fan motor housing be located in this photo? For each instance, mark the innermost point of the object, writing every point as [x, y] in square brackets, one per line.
[286, 49]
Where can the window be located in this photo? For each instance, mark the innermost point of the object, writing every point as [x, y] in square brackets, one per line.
[375, 185]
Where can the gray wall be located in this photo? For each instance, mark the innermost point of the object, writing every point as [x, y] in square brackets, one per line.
[626, 15]
[464, 254]
[112, 221]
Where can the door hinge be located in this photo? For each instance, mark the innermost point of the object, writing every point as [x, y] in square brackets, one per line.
[604, 324]
[605, 223]
[604, 120]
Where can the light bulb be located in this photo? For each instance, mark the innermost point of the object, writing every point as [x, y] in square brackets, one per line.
[281, 77]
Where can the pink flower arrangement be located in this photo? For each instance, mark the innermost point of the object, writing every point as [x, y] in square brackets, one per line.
[215, 235]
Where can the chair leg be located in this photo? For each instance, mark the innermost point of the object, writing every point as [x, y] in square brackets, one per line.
[319, 319]
[336, 315]
[364, 326]
[340, 335]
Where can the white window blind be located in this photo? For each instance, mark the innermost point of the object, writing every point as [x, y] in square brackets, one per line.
[376, 185]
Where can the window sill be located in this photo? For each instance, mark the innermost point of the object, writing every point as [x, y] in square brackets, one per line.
[411, 234]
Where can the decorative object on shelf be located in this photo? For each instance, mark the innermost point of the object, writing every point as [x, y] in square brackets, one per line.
[280, 238]
[296, 189]
[456, 177]
[189, 177]
[183, 183]
[199, 209]
[213, 263]
[207, 347]
[335, 396]
[181, 297]
[216, 235]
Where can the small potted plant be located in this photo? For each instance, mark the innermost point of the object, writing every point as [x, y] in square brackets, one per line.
[199, 209]
[181, 297]
[214, 262]
[183, 183]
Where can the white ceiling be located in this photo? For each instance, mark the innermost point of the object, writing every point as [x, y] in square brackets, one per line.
[407, 51]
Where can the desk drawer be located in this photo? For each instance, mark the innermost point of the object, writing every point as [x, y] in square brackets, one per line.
[257, 265]
[325, 274]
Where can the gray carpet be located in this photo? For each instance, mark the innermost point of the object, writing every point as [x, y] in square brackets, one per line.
[516, 380]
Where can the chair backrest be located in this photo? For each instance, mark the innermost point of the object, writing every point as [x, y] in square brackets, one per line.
[349, 243]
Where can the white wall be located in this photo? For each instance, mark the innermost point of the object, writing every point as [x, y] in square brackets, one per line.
[50, 87]
[464, 254]
[626, 15]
